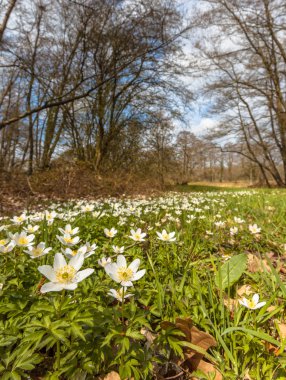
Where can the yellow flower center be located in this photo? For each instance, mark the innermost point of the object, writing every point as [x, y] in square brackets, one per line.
[68, 239]
[125, 274]
[37, 251]
[74, 252]
[65, 274]
[251, 304]
[23, 240]
[137, 236]
[3, 241]
[119, 293]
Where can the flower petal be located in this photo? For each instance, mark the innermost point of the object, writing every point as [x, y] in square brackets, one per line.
[30, 237]
[121, 261]
[89, 254]
[255, 298]
[70, 286]
[114, 276]
[126, 283]
[51, 287]
[110, 268]
[59, 261]
[128, 295]
[113, 293]
[139, 274]
[47, 271]
[134, 265]
[83, 274]
[259, 305]
[77, 261]
[75, 240]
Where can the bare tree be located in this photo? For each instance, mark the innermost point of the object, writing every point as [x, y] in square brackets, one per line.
[245, 55]
[85, 71]
[7, 14]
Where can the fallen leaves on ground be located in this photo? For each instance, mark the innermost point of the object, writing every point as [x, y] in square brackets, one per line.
[111, 376]
[255, 264]
[200, 341]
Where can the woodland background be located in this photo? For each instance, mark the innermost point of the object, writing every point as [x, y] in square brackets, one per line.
[96, 95]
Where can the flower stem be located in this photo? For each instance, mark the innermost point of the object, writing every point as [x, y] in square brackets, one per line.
[122, 307]
[58, 353]
[122, 320]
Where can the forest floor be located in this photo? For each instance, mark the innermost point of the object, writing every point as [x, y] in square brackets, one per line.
[206, 300]
[63, 183]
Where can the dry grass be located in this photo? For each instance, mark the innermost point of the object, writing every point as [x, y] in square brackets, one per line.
[236, 184]
[65, 182]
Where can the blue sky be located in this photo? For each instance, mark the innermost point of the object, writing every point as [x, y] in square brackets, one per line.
[199, 119]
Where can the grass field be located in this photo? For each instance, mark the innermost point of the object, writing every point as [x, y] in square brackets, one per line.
[182, 286]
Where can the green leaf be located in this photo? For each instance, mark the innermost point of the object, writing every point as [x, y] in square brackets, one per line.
[134, 335]
[60, 335]
[7, 340]
[258, 334]
[231, 271]
[15, 376]
[77, 331]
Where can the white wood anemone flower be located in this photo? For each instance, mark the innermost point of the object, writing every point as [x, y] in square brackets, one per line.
[68, 230]
[38, 251]
[86, 250]
[19, 219]
[122, 273]
[165, 236]
[22, 239]
[137, 235]
[118, 294]
[63, 275]
[254, 229]
[117, 249]
[31, 229]
[49, 217]
[3, 242]
[110, 233]
[253, 303]
[69, 240]
[104, 261]
[87, 208]
[7, 248]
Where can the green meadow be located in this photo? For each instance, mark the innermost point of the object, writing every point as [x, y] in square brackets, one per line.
[188, 285]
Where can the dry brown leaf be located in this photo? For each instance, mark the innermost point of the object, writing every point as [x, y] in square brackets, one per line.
[166, 324]
[270, 347]
[255, 264]
[281, 329]
[230, 303]
[112, 376]
[192, 334]
[150, 337]
[202, 339]
[185, 325]
[244, 290]
[271, 308]
[208, 368]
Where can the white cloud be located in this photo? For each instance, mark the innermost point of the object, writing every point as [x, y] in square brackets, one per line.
[203, 125]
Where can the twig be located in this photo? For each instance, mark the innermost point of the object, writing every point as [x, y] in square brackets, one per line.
[174, 377]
